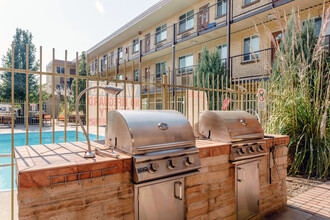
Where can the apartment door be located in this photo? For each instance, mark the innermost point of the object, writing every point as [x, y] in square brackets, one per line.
[147, 43]
[203, 18]
[146, 73]
[278, 37]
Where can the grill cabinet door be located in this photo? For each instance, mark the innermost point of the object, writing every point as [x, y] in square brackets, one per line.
[248, 189]
[163, 200]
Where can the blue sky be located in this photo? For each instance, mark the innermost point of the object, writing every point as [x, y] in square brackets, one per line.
[75, 25]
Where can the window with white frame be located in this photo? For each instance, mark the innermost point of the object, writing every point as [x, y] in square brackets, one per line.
[60, 69]
[186, 21]
[120, 52]
[251, 48]
[186, 63]
[111, 60]
[136, 75]
[221, 8]
[246, 2]
[222, 51]
[101, 65]
[160, 69]
[136, 45]
[328, 28]
[95, 67]
[92, 68]
[161, 33]
[104, 62]
[317, 25]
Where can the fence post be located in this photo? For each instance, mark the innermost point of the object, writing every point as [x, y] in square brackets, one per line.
[164, 92]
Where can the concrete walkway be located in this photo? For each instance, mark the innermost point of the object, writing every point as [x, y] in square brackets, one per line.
[5, 205]
[310, 205]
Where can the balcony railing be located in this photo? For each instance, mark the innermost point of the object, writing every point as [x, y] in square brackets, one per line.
[256, 64]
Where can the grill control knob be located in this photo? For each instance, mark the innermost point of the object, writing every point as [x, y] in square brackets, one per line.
[171, 164]
[153, 167]
[250, 150]
[189, 160]
[260, 148]
[240, 151]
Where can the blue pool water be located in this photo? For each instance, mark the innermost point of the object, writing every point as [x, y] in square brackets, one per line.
[20, 140]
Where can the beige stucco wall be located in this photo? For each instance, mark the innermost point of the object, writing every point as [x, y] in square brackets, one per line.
[212, 40]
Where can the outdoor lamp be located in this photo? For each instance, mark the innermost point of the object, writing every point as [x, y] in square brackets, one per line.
[109, 89]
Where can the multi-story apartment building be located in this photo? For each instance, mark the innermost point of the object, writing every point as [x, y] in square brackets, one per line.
[59, 67]
[59, 81]
[169, 36]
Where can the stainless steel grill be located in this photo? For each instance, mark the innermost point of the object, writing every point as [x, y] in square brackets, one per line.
[162, 145]
[239, 128]
[246, 137]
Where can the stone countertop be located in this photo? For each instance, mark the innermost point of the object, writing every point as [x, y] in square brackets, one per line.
[36, 164]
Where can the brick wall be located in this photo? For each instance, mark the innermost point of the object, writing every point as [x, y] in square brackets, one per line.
[211, 194]
[111, 198]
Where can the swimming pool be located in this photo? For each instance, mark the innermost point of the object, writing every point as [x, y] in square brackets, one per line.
[20, 140]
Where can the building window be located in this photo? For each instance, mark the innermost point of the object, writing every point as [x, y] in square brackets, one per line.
[120, 76]
[160, 68]
[120, 52]
[222, 51]
[60, 69]
[186, 63]
[247, 2]
[317, 25]
[221, 8]
[104, 62]
[135, 45]
[111, 60]
[92, 68]
[101, 65]
[95, 67]
[251, 48]
[161, 33]
[159, 104]
[136, 75]
[186, 21]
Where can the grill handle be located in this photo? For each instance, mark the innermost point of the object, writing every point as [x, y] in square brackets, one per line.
[158, 147]
[178, 187]
[240, 174]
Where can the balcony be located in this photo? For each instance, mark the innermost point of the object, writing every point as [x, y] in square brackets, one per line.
[209, 19]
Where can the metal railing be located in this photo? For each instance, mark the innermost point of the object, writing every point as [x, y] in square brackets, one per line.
[188, 93]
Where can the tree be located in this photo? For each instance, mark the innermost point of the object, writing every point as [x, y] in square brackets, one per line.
[210, 67]
[21, 39]
[82, 71]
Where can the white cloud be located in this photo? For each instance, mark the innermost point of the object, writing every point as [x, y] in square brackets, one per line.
[99, 6]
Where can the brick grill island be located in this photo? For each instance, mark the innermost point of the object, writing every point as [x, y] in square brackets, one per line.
[55, 181]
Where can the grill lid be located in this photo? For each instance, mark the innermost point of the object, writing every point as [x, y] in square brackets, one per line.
[140, 132]
[229, 126]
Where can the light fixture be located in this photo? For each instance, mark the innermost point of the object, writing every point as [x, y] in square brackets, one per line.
[109, 89]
